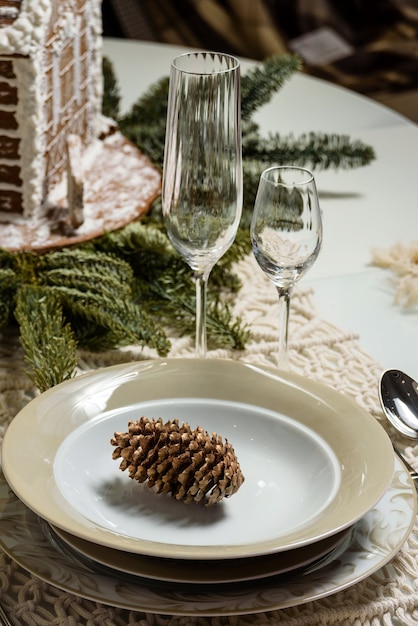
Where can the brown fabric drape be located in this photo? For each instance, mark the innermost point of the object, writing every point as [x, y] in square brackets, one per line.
[382, 34]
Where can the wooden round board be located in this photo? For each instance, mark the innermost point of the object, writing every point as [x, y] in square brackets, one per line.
[120, 184]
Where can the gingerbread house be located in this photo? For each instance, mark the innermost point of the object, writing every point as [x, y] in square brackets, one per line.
[56, 151]
[50, 87]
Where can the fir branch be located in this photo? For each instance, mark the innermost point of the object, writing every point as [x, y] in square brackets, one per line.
[86, 283]
[95, 289]
[8, 285]
[145, 124]
[8, 279]
[259, 83]
[150, 139]
[152, 258]
[111, 96]
[237, 252]
[251, 178]
[180, 311]
[151, 107]
[48, 342]
[164, 282]
[145, 245]
[225, 330]
[99, 321]
[86, 271]
[25, 267]
[314, 150]
[5, 311]
[7, 259]
[137, 238]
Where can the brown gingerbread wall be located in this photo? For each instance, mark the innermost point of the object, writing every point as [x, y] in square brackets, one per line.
[64, 98]
[10, 200]
[7, 18]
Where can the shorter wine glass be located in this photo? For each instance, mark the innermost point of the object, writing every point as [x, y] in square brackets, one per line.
[286, 235]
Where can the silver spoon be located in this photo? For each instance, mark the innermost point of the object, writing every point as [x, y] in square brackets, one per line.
[398, 394]
[399, 399]
[411, 471]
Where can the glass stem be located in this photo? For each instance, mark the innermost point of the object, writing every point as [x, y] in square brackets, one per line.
[284, 307]
[201, 281]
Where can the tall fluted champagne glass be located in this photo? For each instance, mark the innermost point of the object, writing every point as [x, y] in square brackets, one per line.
[202, 172]
[286, 235]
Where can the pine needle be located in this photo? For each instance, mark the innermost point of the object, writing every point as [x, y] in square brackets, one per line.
[48, 342]
[86, 271]
[164, 282]
[111, 96]
[8, 284]
[115, 322]
[314, 150]
[145, 123]
[259, 83]
[179, 310]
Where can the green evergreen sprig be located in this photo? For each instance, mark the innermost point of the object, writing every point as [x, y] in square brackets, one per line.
[314, 150]
[81, 298]
[260, 82]
[47, 339]
[144, 125]
[164, 284]
[111, 99]
[130, 286]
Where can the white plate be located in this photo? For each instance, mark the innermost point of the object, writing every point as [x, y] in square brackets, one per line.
[376, 539]
[248, 405]
[280, 458]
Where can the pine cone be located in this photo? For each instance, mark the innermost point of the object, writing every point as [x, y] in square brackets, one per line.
[189, 464]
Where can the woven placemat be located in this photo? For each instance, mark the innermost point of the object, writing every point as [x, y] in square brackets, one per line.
[319, 351]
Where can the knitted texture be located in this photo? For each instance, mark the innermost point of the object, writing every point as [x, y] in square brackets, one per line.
[319, 351]
[402, 261]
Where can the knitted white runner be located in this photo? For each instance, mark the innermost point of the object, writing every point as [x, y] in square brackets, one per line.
[318, 350]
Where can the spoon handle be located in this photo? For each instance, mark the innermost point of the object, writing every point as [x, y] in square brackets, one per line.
[412, 472]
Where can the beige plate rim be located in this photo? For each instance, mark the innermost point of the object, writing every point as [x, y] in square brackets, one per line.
[32, 440]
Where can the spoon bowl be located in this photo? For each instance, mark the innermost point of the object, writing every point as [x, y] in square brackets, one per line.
[399, 399]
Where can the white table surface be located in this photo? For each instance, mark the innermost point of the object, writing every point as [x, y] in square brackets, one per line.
[370, 207]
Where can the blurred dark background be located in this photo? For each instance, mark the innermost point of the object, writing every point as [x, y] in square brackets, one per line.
[370, 46]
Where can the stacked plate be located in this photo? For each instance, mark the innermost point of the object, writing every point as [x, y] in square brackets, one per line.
[319, 474]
